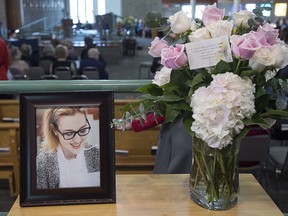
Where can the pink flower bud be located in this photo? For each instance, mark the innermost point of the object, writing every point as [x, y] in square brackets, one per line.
[156, 46]
[173, 57]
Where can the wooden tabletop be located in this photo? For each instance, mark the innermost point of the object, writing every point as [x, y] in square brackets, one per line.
[151, 194]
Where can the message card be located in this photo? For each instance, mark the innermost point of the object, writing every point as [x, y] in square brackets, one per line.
[208, 53]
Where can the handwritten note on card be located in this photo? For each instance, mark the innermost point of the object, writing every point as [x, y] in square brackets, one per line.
[208, 53]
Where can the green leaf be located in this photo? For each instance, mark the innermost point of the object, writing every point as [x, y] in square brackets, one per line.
[151, 89]
[275, 114]
[262, 102]
[242, 134]
[188, 124]
[171, 114]
[141, 108]
[199, 78]
[174, 88]
[181, 106]
[258, 11]
[226, 17]
[260, 92]
[169, 98]
[259, 80]
[155, 20]
[251, 22]
[163, 21]
[259, 19]
[248, 73]
[221, 67]
[257, 121]
[148, 97]
[181, 75]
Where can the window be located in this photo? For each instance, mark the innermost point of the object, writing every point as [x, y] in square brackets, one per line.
[198, 10]
[101, 7]
[250, 7]
[266, 13]
[280, 9]
[82, 10]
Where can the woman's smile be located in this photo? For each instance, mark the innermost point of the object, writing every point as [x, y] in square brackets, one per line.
[75, 145]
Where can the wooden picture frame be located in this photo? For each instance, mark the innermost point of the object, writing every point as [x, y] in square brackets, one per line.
[95, 103]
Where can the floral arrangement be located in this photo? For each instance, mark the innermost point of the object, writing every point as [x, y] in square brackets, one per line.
[256, 95]
[129, 22]
[221, 95]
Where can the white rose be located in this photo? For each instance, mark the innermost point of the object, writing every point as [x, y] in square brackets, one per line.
[280, 53]
[261, 59]
[270, 74]
[241, 18]
[194, 26]
[162, 77]
[180, 22]
[200, 34]
[222, 27]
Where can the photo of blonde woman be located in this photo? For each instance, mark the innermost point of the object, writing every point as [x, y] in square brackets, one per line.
[65, 157]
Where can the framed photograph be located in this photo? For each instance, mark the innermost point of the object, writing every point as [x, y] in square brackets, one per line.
[67, 150]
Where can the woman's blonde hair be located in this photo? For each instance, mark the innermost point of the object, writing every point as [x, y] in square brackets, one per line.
[26, 49]
[61, 51]
[50, 118]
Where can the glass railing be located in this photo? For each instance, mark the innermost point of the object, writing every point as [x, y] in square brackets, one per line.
[118, 86]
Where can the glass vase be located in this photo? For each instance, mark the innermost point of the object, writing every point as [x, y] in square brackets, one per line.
[214, 177]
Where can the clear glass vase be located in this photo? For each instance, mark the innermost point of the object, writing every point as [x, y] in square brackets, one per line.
[214, 177]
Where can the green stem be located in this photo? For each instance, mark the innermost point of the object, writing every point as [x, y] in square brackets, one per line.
[238, 66]
[224, 175]
[196, 178]
[199, 165]
[212, 183]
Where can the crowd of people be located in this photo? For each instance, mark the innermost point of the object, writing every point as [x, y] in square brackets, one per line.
[16, 60]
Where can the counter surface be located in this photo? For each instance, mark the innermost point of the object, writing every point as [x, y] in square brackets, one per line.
[153, 194]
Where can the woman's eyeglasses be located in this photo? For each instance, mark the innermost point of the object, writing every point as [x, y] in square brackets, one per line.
[71, 134]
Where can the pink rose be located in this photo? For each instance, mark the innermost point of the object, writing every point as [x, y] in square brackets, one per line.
[244, 46]
[260, 37]
[173, 57]
[269, 33]
[156, 46]
[212, 14]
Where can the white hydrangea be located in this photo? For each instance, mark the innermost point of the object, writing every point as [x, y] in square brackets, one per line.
[219, 109]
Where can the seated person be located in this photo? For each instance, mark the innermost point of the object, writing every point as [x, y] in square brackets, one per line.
[94, 60]
[88, 45]
[16, 62]
[47, 58]
[4, 60]
[48, 53]
[61, 54]
[71, 54]
[27, 55]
